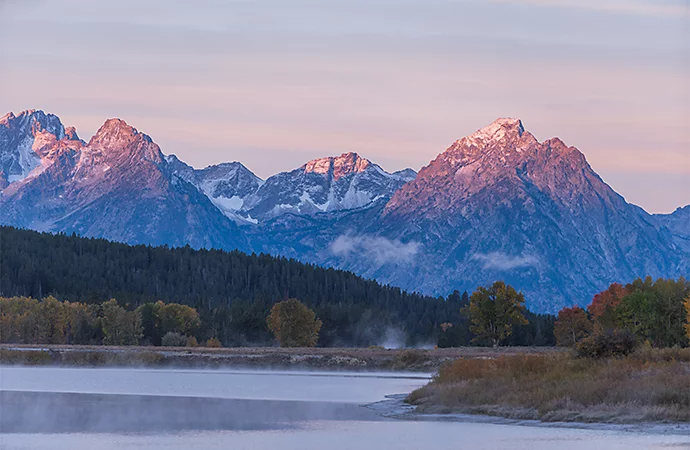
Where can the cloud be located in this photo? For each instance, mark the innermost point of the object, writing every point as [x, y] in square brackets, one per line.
[378, 248]
[501, 261]
[621, 7]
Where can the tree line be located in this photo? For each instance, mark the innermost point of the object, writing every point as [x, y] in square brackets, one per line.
[24, 320]
[234, 292]
[655, 312]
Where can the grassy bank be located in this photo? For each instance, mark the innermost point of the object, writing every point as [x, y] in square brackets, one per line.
[375, 358]
[648, 386]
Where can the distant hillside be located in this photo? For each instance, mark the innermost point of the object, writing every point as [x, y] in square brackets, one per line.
[232, 290]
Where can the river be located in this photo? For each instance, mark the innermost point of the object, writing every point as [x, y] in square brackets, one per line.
[84, 408]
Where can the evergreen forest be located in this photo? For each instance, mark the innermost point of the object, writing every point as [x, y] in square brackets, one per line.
[234, 292]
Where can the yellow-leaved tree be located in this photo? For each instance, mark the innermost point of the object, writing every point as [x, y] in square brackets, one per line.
[494, 310]
[293, 324]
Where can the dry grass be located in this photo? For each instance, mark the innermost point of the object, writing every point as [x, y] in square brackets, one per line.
[377, 358]
[649, 385]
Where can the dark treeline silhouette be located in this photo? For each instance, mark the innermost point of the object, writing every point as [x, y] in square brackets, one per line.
[234, 292]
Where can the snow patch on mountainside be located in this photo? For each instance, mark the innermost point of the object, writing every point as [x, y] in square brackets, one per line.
[338, 183]
[28, 159]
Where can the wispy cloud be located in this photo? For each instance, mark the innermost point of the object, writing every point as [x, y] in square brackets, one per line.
[620, 7]
[378, 248]
[502, 261]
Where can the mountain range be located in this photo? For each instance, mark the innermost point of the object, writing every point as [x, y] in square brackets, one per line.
[497, 204]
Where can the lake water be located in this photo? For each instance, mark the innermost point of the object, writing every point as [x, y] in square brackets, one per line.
[64, 408]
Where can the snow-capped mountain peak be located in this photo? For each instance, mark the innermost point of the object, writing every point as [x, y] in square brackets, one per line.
[326, 184]
[338, 166]
[116, 143]
[116, 133]
[28, 144]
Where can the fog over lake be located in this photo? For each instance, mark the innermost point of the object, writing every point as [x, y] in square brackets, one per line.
[74, 408]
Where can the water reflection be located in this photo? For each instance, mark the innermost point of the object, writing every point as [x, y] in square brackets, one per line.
[42, 412]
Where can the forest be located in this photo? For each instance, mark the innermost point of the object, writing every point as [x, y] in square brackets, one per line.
[233, 292]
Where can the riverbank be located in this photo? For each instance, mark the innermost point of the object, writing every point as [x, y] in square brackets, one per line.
[650, 386]
[367, 359]
[396, 407]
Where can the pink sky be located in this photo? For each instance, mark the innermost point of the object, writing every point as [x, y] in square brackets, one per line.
[274, 84]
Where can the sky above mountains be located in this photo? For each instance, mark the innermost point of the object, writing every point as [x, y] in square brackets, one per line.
[276, 83]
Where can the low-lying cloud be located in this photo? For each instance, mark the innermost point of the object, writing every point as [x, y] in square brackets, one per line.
[502, 261]
[380, 249]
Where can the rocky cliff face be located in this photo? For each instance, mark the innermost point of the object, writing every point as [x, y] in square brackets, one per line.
[678, 225]
[497, 204]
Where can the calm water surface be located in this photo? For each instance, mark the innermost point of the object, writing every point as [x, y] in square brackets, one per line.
[60, 408]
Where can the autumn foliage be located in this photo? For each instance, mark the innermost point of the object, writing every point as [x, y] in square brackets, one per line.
[620, 317]
[607, 299]
[493, 311]
[24, 320]
[571, 326]
[604, 304]
[293, 324]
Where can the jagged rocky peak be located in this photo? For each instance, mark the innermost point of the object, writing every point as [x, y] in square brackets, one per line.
[405, 174]
[33, 121]
[71, 134]
[338, 166]
[328, 184]
[498, 129]
[30, 141]
[6, 118]
[505, 144]
[116, 139]
[503, 138]
[507, 161]
[117, 133]
[226, 170]
[230, 180]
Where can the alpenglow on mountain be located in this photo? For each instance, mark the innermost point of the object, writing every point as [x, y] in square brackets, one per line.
[497, 204]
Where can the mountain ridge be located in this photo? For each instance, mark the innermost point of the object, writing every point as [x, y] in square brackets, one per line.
[116, 186]
[496, 204]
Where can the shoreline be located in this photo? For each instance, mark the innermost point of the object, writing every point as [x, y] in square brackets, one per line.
[334, 359]
[394, 407]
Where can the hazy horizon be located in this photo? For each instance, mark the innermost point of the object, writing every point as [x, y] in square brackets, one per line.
[275, 84]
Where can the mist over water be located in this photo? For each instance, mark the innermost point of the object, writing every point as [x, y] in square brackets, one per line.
[341, 387]
[75, 408]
